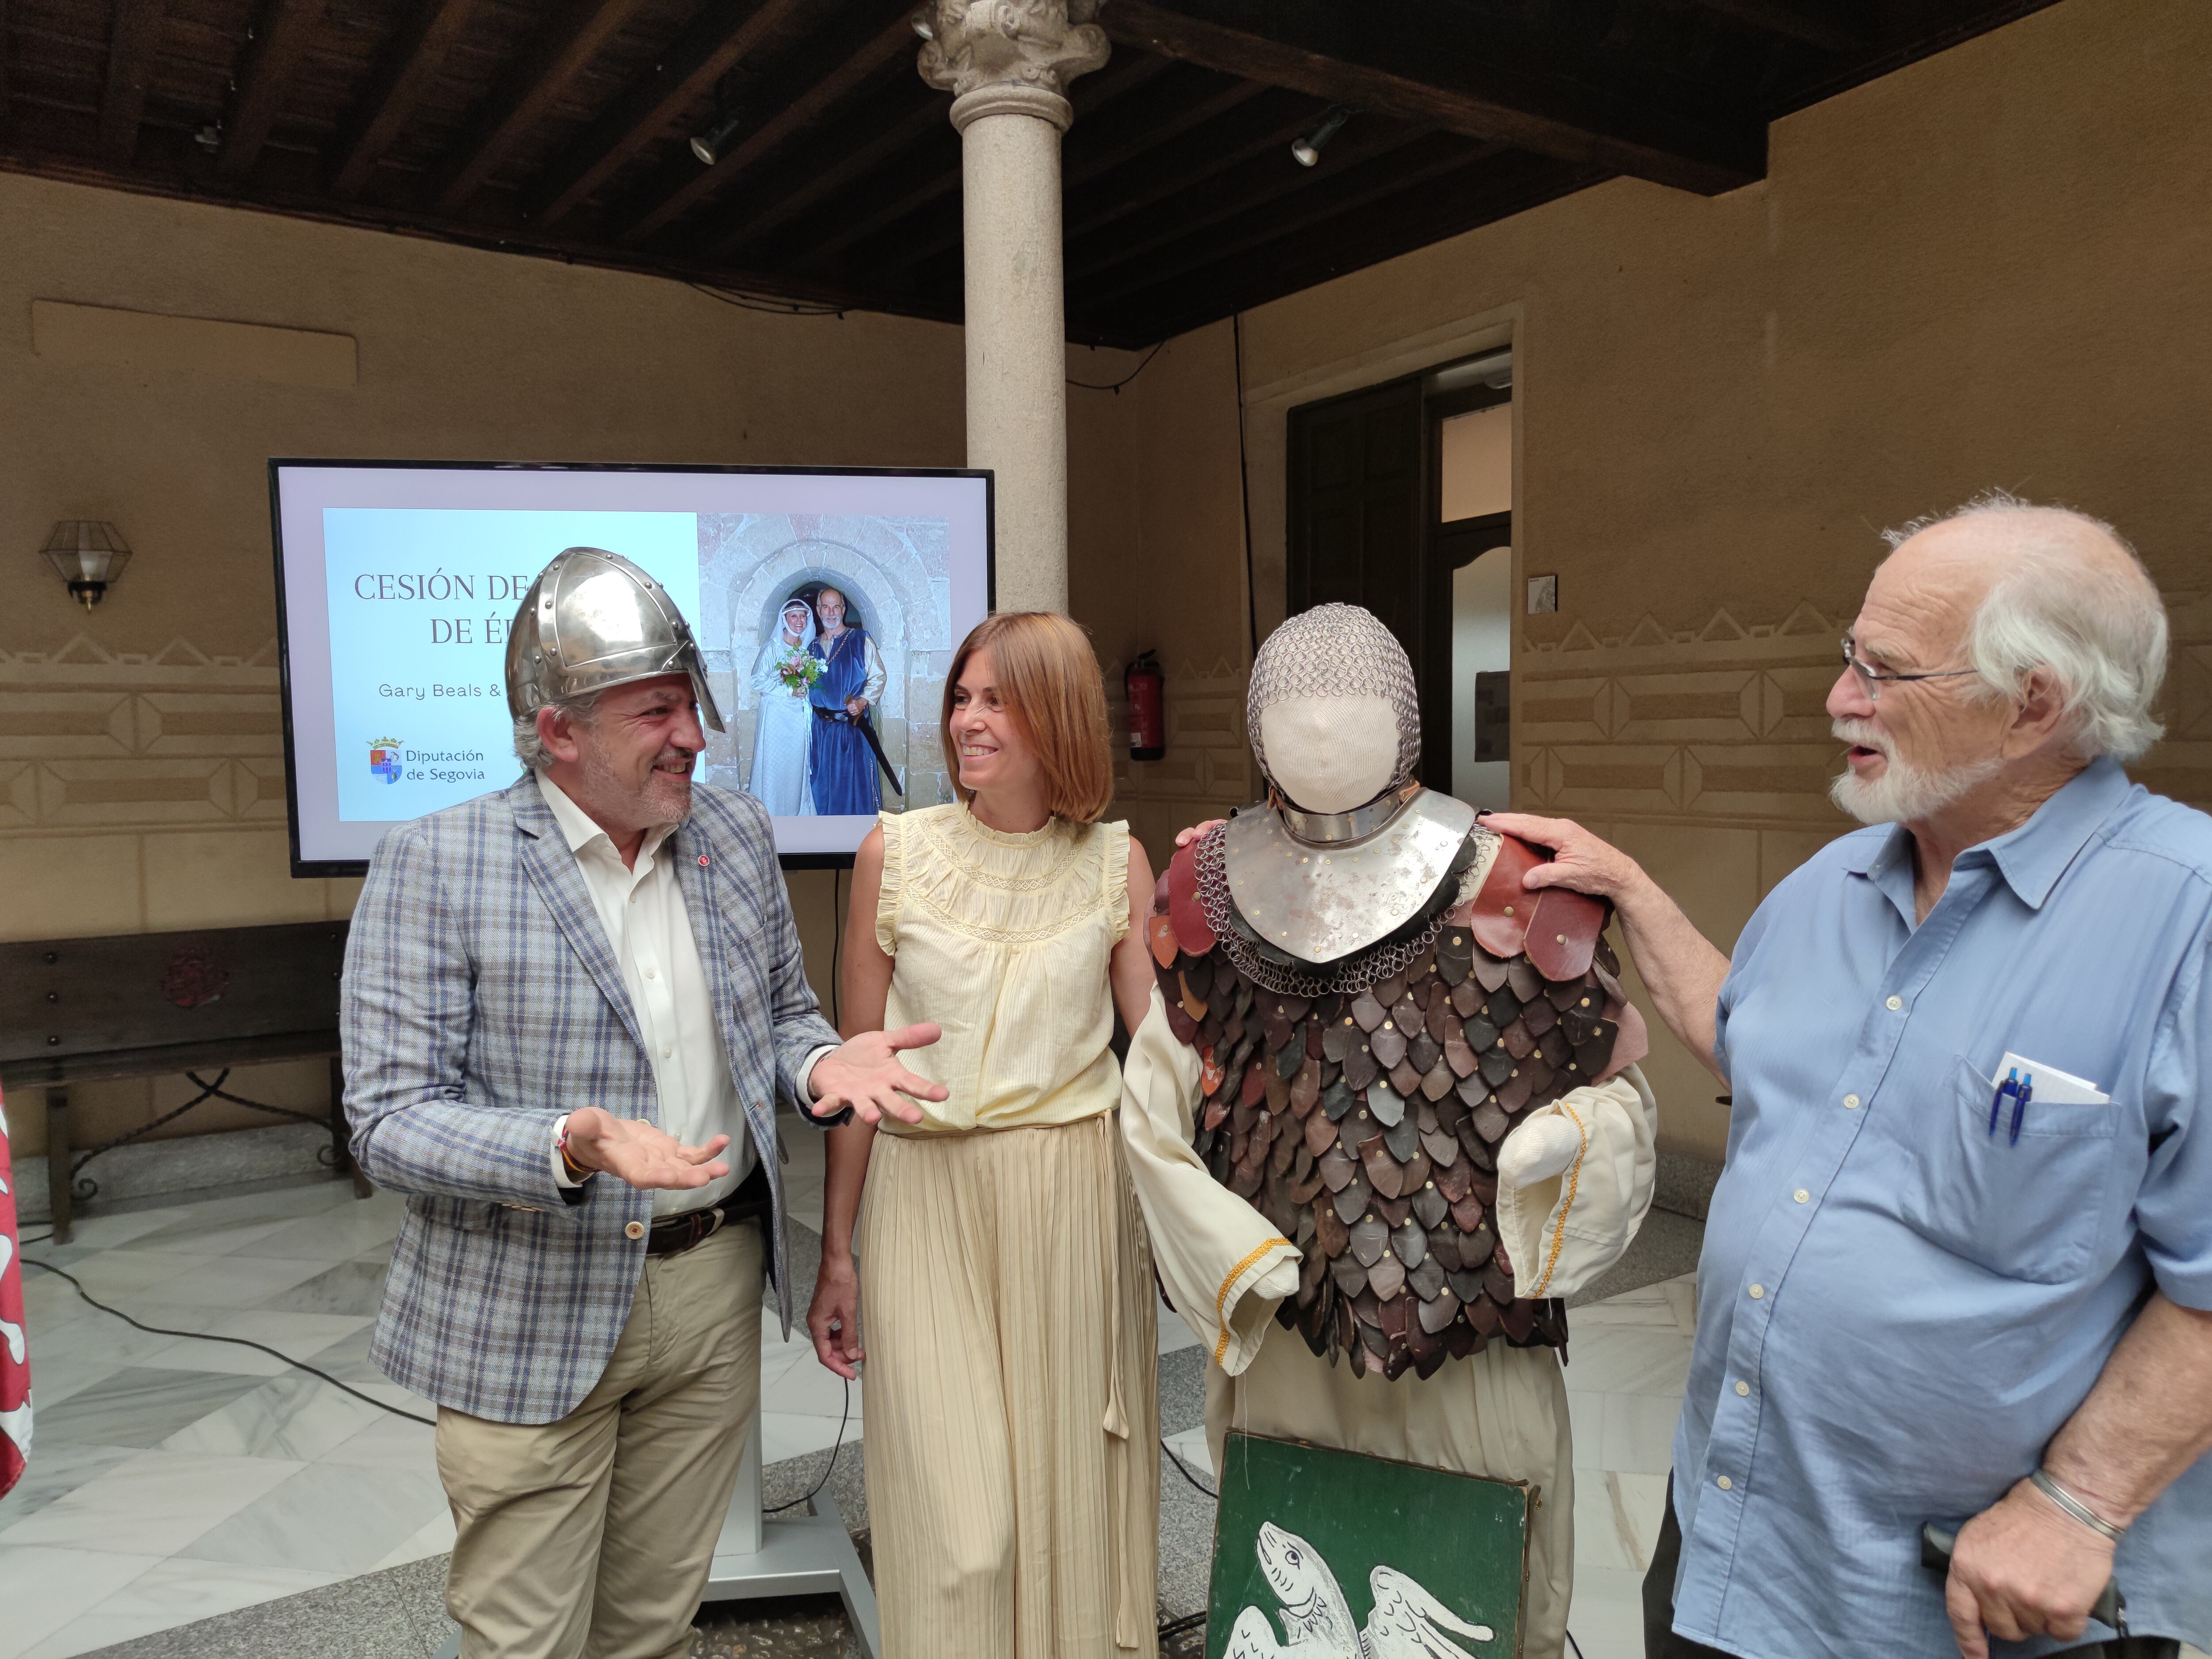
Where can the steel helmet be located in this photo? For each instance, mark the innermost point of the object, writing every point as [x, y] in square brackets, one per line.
[593, 620]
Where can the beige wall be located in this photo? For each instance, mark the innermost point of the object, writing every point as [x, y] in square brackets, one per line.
[141, 767]
[1986, 269]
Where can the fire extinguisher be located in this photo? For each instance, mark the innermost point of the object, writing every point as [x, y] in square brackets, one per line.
[1148, 726]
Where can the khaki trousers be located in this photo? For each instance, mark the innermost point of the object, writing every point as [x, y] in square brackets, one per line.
[592, 1535]
[1013, 1412]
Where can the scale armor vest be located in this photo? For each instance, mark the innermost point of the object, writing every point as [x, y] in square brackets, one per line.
[1363, 1120]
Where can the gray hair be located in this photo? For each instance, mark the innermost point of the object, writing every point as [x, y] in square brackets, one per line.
[2100, 632]
[530, 748]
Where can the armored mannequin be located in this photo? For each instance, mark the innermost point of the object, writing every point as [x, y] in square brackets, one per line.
[1412, 1080]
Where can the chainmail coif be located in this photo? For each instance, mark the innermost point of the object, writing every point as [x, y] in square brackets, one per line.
[1336, 651]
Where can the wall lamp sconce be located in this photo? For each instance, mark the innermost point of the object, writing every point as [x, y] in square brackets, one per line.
[1307, 150]
[708, 145]
[87, 553]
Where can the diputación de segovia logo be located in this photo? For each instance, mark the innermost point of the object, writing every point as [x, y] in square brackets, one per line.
[383, 759]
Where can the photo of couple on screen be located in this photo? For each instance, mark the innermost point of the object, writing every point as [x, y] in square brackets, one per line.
[831, 631]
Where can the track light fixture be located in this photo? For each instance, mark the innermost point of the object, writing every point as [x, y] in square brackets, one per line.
[708, 145]
[1307, 150]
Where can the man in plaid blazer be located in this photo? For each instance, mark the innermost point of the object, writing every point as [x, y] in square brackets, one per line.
[569, 1008]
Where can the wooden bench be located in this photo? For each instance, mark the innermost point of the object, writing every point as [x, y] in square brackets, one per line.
[152, 1004]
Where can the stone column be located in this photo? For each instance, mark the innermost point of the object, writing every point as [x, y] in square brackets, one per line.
[1008, 63]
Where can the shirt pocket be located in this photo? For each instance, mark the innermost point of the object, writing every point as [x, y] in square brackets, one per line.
[2031, 1210]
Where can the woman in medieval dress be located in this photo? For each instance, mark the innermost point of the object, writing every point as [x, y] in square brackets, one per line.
[784, 736]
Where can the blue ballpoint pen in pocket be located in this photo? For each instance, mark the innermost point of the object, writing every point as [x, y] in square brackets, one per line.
[2020, 1090]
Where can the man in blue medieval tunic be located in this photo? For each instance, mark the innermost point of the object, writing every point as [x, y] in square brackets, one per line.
[843, 768]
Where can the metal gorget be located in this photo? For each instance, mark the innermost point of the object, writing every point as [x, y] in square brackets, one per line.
[1321, 886]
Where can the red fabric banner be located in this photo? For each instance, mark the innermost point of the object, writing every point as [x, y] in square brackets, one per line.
[15, 1350]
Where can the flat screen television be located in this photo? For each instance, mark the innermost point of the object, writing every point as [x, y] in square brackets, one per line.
[397, 582]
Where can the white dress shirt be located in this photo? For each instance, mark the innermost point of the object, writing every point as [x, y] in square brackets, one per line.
[650, 932]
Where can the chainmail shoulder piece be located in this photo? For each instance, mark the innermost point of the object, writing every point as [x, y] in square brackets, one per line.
[1274, 971]
[1336, 651]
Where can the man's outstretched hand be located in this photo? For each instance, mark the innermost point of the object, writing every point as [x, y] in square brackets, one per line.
[865, 1075]
[1580, 860]
[646, 1157]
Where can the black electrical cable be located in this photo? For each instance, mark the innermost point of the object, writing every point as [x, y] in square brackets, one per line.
[760, 302]
[1244, 483]
[1117, 386]
[1183, 1471]
[204, 1336]
[1188, 1621]
[844, 1418]
[1576, 1645]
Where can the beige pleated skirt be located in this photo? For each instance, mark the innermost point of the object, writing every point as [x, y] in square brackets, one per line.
[1013, 1478]
[1501, 1412]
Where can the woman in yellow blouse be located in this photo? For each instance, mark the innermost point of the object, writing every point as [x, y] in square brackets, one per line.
[1013, 1482]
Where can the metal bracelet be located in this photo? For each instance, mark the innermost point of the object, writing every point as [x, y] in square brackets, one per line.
[2042, 1482]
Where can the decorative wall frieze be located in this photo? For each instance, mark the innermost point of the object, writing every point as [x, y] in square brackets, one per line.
[1727, 725]
[176, 738]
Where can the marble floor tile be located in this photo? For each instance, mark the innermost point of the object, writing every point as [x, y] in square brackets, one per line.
[327, 1518]
[198, 1236]
[1175, 1334]
[811, 1390]
[791, 1434]
[337, 1343]
[68, 1359]
[44, 1590]
[143, 1405]
[230, 1281]
[293, 1417]
[155, 1504]
[1607, 1616]
[337, 1235]
[1639, 1433]
[170, 1594]
[436, 1537]
[119, 1276]
[104, 1233]
[59, 1469]
[1627, 1359]
[1190, 1446]
[387, 1442]
[354, 1287]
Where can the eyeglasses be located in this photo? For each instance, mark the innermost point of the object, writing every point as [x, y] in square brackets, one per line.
[1872, 678]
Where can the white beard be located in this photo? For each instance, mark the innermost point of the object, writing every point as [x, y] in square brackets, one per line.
[1904, 793]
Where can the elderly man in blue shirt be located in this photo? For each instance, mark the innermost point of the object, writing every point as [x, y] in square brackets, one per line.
[1921, 1300]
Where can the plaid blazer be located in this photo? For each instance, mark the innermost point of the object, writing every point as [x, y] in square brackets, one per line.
[481, 1001]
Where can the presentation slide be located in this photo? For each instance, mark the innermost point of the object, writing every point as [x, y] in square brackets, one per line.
[825, 590]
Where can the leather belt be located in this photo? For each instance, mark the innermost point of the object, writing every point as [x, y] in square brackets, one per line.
[672, 1234]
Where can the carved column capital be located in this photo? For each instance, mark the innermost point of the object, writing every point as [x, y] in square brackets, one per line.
[1009, 56]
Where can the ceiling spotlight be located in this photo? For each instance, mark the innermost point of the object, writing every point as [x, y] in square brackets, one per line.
[1307, 150]
[708, 146]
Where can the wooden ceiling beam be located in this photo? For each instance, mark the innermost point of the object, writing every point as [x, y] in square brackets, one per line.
[1384, 227]
[131, 42]
[724, 35]
[1271, 125]
[283, 32]
[1408, 60]
[531, 87]
[813, 184]
[1133, 130]
[813, 95]
[404, 71]
[900, 200]
[1259, 183]
[1796, 19]
[1439, 156]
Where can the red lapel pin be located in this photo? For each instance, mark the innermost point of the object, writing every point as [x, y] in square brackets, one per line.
[702, 860]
